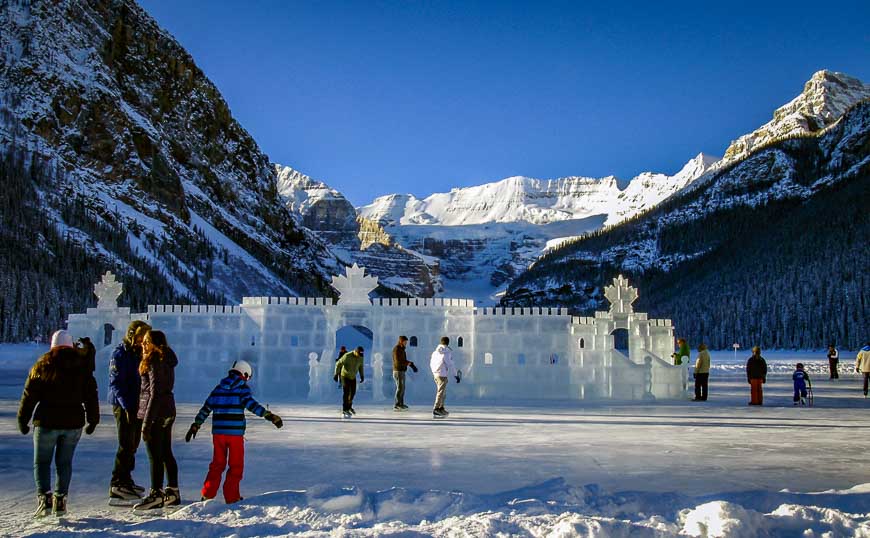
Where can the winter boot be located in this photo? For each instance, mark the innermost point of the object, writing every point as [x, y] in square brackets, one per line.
[123, 493]
[59, 507]
[153, 501]
[43, 505]
[171, 497]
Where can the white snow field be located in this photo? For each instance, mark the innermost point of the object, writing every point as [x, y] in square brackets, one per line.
[718, 468]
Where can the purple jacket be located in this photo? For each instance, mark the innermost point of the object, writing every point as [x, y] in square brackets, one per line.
[156, 400]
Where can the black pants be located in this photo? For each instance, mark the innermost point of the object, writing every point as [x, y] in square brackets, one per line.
[349, 386]
[832, 365]
[129, 434]
[701, 381]
[866, 378]
[160, 454]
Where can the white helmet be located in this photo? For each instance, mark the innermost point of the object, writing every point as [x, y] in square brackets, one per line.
[243, 368]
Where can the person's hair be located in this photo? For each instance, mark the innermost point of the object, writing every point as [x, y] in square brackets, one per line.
[360, 349]
[134, 329]
[756, 350]
[158, 341]
[702, 347]
[403, 338]
[445, 341]
[681, 340]
[800, 366]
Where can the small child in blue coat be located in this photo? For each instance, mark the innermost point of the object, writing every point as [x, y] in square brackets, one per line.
[801, 381]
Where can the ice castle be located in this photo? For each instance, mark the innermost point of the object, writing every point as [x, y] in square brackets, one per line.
[504, 353]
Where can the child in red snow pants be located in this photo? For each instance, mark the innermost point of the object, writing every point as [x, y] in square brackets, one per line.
[224, 445]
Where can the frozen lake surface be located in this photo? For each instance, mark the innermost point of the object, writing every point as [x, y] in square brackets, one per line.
[524, 468]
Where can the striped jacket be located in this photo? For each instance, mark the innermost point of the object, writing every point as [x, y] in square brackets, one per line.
[229, 400]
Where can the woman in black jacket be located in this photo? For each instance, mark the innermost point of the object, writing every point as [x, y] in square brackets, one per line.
[62, 389]
[157, 413]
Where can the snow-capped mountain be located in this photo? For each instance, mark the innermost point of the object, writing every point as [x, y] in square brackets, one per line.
[824, 99]
[355, 239]
[770, 249]
[535, 201]
[143, 141]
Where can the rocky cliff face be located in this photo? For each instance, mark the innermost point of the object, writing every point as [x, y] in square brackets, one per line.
[824, 99]
[145, 140]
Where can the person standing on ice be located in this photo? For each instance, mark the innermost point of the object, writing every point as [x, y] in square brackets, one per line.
[833, 361]
[801, 380]
[400, 368]
[228, 400]
[346, 369]
[862, 365]
[756, 375]
[157, 413]
[702, 373]
[684, 351]
[441, 365]
[62, 390]
[124, 382]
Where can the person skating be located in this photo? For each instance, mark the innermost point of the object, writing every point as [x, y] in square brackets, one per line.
[833, 361]
[702, 373]
[756, 375]
[228, 400]
[346, 369]
[801, 381]
[400, 368]
[157, 413]
[124, 383]
[441, 364]
[862, 365]
[61, 388]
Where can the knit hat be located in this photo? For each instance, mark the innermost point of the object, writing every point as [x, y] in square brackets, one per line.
[61, 338]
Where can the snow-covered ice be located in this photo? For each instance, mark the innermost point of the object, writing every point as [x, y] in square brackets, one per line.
[526, 468]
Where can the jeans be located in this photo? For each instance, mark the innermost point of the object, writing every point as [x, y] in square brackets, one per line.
[440, 391]
[399, 378]
[701, 382]
[349, 391]
[234, 447]
[160, 454]
[57, 444]
[129, 435]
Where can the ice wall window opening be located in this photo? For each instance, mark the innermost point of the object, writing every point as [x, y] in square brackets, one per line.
[413, 341]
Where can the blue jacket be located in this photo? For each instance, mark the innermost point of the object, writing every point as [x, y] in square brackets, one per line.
[800, 379]
[124, 378]
[229, 400]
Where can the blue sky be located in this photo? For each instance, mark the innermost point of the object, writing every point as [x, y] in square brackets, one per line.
[420, 97]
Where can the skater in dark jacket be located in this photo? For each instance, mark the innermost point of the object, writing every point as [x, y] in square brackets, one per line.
[833, 361]
[801, 381]
[157, 413]
[229, 400]
[62, 389]
[756, 375]
[124, 383]
[400, 368]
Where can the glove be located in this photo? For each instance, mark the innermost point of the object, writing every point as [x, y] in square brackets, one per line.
[23, 428]
[146, 433]
[89, 429]
[413, 366]
[274, 419]
[335, 378]
[361, 380]
[191, 432]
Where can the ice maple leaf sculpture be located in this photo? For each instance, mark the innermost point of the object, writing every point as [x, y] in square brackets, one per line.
[620, 295]
[107, 291]
[355, 287]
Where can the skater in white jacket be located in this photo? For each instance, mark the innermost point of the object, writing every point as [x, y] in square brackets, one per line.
[441, 365]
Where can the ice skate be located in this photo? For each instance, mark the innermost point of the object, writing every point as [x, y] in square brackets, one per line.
[59, 506]
[43, 505]
[154, 501]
